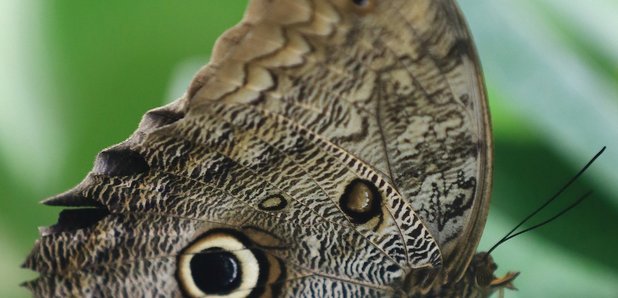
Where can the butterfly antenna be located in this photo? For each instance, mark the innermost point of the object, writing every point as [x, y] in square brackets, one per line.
[510, 234]
[573, 205]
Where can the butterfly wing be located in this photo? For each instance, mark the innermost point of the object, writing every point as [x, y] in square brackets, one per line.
[397, 84]
[324, 151]
[436, 128]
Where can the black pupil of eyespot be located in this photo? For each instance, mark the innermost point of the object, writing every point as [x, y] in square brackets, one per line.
[360, 2]
[216, 271]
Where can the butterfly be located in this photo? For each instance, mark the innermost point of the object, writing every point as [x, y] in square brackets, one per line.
[330, 148]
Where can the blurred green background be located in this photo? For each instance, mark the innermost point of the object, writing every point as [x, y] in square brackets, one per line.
[76, 76]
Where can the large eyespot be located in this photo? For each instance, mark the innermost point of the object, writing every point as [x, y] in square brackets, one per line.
[225, 263]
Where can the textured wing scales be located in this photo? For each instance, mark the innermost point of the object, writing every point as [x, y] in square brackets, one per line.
[397, 85]
[300, 102]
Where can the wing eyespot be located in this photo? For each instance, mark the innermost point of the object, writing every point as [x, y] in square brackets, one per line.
[225, 263]
[216, 271]
[361, 201]
[273, 203]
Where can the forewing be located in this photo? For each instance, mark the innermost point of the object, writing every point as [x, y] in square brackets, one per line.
[396, 84]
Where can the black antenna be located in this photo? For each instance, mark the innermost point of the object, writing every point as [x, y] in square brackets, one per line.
[510, 234]
[573, 205]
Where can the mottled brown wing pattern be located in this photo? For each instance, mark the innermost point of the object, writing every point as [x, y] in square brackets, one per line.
[330, 148]
[397, 84]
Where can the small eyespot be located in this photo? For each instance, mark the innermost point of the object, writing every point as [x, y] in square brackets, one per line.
[361, 3]
[361, 201]
[273, 203]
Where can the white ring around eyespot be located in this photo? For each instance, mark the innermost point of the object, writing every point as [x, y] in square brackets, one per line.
[249, 265]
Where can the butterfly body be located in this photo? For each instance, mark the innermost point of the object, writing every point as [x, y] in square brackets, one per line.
[330, 148]
[478, 281]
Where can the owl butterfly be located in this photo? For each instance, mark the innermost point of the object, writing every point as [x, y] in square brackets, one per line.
[336, 148]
